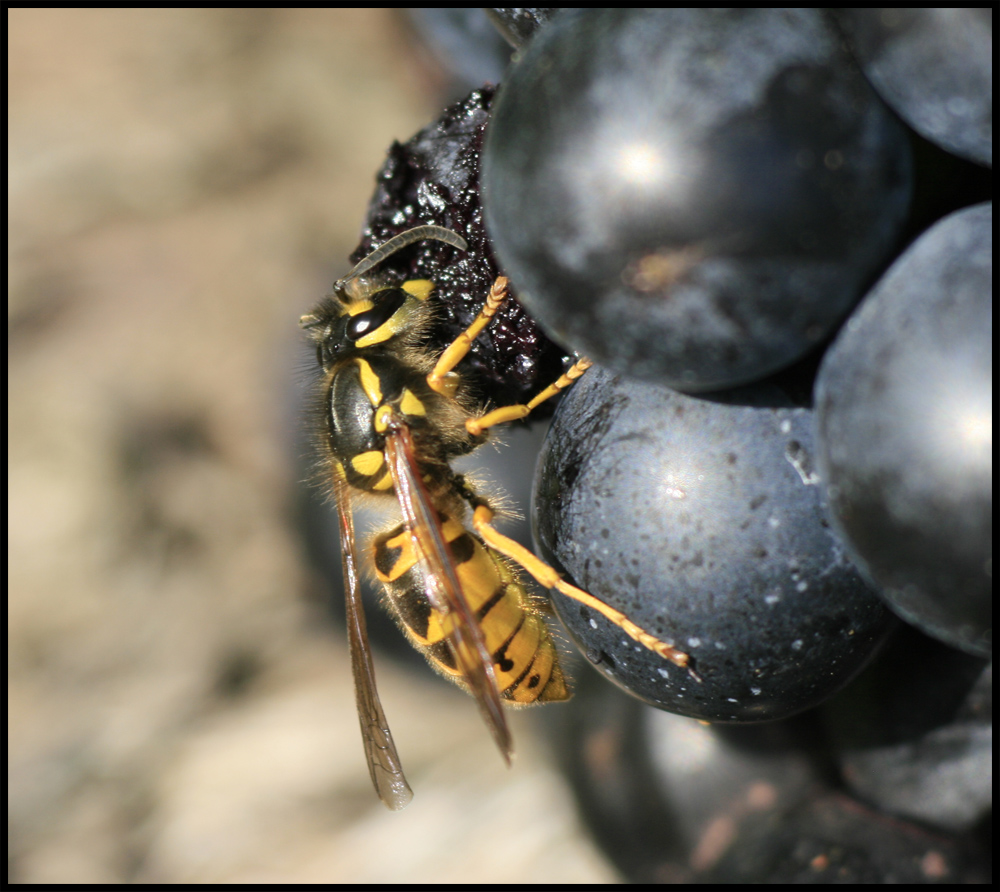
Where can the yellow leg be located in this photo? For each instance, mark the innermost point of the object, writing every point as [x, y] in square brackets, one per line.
[548, 577]
[476, 426]
[439, 379]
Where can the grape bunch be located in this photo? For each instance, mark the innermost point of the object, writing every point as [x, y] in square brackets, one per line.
[773, 230]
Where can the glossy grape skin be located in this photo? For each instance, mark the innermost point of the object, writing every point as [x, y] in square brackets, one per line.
[702, 520]
[688, 196]
[656, 831]
[934, 67]
[904, 404]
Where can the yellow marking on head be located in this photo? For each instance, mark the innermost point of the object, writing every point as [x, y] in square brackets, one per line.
[385, 331]
[370, 382]
[398, 322]
[420, 288]
[410, 404]
[359, 306]
[368, 463]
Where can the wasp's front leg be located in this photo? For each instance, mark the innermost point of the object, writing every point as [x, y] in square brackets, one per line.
[476, 426]
[441, 378]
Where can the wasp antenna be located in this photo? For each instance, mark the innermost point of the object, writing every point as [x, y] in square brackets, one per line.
[398, 242]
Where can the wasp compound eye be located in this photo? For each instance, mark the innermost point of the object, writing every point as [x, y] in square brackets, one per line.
[387, 302]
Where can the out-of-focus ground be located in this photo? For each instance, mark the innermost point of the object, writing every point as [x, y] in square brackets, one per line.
[183, 184]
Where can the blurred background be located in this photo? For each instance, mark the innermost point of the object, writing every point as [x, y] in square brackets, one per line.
[183, 184]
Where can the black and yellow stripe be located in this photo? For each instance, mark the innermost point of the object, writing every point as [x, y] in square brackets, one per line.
[525, 660]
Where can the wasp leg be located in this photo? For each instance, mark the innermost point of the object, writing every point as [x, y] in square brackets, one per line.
[547, 576]
[476, 426]
[440, 379]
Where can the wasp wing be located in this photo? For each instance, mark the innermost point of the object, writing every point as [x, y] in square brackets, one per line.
[444, 589]
[380, 751]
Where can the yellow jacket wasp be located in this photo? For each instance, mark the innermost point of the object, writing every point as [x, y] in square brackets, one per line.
[394, 418]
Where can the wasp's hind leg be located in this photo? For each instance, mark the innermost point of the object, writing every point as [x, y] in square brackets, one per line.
[476, 426]
[441, 379]
[482, 522]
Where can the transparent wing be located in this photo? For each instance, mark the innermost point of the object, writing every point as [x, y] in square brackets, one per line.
[444, 589]
[380, 751]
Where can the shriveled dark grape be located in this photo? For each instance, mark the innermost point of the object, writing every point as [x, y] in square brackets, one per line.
[434, 178]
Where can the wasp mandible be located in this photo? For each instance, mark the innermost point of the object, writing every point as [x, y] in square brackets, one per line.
[394, 418]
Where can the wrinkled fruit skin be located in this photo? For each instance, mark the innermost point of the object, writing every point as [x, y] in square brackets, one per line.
[703, 522]
[692, 197]
[433, 178]
[905, 411]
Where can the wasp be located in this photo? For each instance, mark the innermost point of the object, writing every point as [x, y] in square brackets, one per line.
[394, 417]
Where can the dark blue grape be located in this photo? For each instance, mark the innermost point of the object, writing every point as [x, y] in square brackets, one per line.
[694, 197]
[654, 788]
[464, 43]
[833, 839]
[672, 800]
[934, 66]
[913, 734]
[702, 520]
[905, 411]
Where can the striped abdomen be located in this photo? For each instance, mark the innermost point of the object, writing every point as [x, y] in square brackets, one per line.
[525, 660]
